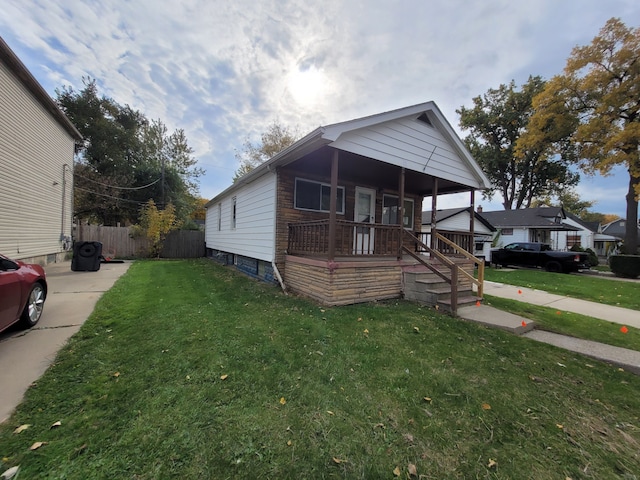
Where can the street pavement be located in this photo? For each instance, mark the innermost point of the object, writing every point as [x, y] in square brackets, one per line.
[26, 354]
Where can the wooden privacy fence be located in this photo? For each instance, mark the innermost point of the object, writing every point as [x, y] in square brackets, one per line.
[119, 242]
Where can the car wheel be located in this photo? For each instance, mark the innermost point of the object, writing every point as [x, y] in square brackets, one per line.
[33, 309]
[553, 267]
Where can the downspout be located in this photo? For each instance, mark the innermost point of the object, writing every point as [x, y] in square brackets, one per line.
[279, 277]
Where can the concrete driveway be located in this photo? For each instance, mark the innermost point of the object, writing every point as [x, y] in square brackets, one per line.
[26, 354]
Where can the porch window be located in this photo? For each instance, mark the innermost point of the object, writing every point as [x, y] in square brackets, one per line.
[316, 196]
[390, 211]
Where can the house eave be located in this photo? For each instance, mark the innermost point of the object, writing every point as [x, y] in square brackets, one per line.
[29, 81]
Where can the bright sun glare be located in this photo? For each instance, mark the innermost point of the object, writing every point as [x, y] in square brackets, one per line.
[307, 86]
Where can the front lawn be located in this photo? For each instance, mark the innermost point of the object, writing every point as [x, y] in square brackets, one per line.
[602, 290]
[187, 369]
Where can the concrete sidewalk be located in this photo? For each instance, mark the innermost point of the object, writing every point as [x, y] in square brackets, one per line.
[26, 354]
[495, 318]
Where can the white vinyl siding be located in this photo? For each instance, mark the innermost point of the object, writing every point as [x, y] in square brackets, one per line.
[254, 232]
[410, 143]
[34, 150]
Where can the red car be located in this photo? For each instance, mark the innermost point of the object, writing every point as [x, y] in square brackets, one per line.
[23, 289]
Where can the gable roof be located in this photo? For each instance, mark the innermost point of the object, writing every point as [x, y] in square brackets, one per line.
[539, 217]
[21, 72]
[446, 213]
[339, 136]
[617, 228]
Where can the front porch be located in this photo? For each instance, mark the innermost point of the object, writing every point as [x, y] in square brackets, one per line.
[352, 262]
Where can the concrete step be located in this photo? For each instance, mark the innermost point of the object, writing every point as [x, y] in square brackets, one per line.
[494, 318]
[464, 299]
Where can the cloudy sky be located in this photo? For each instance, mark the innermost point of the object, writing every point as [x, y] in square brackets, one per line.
[223, 70]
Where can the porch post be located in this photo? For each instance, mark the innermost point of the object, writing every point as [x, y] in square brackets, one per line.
[434, 206]
[332, 206]
[401, 211]
[472, 220]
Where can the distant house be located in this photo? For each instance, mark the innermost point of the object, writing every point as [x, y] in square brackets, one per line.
[334, 216]
[615, 232]
[36, 166]
[542, 224]
[453, 221]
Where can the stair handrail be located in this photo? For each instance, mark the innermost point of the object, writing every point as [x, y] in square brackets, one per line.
[479, 282]
[453, 267]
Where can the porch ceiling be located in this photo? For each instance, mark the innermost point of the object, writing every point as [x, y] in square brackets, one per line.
[357, 168]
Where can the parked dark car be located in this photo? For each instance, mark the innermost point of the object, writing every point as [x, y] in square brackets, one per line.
[23, 290]
[530, 254]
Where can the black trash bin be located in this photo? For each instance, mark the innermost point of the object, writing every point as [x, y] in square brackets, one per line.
[86, 256]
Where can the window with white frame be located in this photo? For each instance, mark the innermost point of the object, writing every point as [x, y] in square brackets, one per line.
[390, 211]
[310, 195]
[233, 213]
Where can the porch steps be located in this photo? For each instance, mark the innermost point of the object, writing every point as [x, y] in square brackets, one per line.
[424, 286]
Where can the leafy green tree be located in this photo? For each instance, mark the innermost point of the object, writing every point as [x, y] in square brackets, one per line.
[273, 141]
[569, 200]
[594, 107]
[496, 122]
[126, 160]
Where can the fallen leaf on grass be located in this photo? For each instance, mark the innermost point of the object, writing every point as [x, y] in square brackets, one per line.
[416, 329]
[224, 377]
[486, 406]
[330, 412]
[289, 443]
[8, 474]
[37, 445]
[282, 401]
[560, 426]
[57, 424]
[22, 428]
[413, 471]
[624, 329]
[117, 374]
[337, 460]
[492, 463]
[396, 471]
[427, 399]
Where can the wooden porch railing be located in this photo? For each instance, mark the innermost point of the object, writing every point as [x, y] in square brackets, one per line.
[352, 238]
[462, 240]
[367, 239]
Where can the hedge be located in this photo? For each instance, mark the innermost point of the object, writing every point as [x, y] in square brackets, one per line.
[627, 266]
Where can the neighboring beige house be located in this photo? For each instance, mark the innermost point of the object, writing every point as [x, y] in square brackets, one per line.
[37, 144]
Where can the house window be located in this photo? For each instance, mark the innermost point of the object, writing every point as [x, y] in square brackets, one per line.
[233, 213]
[573, 240]
[219, 216]
[316, 196]
[390, 211]
[507, 231]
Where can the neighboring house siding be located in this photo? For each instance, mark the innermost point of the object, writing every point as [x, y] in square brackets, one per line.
[36, 180]
[254, 232]
[407, 143]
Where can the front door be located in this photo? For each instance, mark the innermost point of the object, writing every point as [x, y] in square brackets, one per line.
[365, 212]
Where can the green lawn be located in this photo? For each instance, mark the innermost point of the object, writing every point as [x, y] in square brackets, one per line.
[608, 291]
[189, 370]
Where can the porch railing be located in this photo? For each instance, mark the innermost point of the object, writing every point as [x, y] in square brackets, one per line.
[352, 238]
[462, 240]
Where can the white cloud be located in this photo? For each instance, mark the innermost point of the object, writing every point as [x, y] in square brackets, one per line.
[223, 71]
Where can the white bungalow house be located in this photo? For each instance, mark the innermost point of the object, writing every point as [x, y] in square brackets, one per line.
[459, 221]
[334, 215]
[36, 167]
[552, 225]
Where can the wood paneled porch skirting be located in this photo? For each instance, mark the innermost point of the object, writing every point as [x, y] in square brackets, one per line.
[344, 282]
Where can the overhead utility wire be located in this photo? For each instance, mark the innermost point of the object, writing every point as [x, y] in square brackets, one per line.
[120, 188]
[109, 196]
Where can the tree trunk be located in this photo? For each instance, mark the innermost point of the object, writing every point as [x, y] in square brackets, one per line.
[631, 231]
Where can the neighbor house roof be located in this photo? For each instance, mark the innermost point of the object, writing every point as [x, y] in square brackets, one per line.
[548, 218]
[16, 66]
[326, 135]
[446, 213]
[617, 228]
